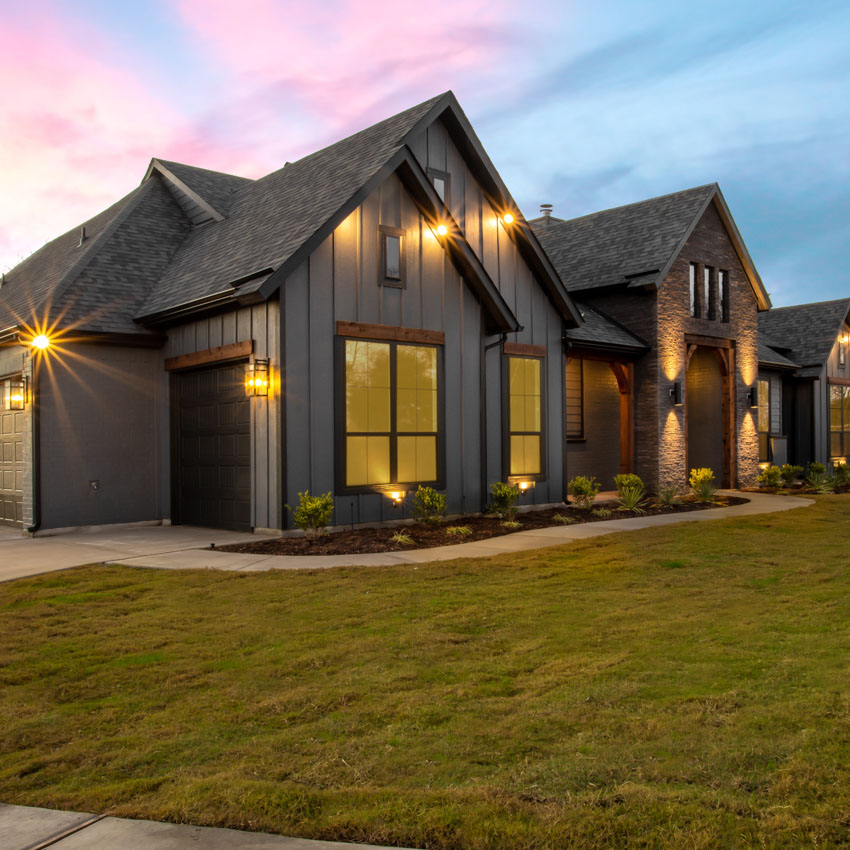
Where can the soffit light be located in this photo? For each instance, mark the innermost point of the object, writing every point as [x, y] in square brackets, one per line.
[41, 342]
[508, 218]
[442, 230]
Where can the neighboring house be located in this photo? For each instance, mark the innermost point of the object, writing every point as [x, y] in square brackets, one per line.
[675, 277]
[814, 387]
[371, 317]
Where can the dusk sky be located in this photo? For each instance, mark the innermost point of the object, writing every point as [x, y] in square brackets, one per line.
[583, 105]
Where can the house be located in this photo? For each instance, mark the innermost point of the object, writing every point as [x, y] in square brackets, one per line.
[371, 317]
[674, 277]
[810, 394]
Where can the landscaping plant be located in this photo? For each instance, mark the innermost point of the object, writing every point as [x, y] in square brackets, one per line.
[429, 506]
[459, 530]
[313, 514]
[841, 474]
[402, 538]
[770, 477]
[702, 484]
[564, 520]
[504, 498]
[817, 478]
[790, 474]
[602, 513]
[584, 491]
[512, 524]
[669, 496]
[630, 492]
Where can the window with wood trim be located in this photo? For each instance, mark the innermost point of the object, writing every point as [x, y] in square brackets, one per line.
[575, 399]
[442, 182]
[708, 291]
[525, 416]
[764, 421]
[723, 294]
[694, 290]
[839, 421]
[391, 417]
[392, 256]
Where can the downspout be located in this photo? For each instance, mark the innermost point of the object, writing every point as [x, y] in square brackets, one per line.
[565, 475]
[35, 436]
[483, 414]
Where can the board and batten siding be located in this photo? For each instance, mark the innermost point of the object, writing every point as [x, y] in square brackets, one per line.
[259, 323]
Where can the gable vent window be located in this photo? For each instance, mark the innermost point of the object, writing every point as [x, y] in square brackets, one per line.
[707, 277]
[442, 184]
[723, 294]
[392, 256]
[694, 291]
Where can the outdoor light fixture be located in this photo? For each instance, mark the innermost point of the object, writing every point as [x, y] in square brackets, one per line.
[397, 496]
[16, 394]
[508, 218]
[676, 394]
[442, 230]
[753, 396]
[524, 485]
[41, 342]
[258, 378]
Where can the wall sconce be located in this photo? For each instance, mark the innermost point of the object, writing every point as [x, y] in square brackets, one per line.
[16, 394]
[442, 230]
[258, 377]
[396, 497]
[753, 396]
[508, 218]
[525, 485]
[676, 394]
[41, 342]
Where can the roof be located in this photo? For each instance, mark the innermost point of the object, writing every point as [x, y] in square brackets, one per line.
[807, 331]
[769, 356]
[601, 331]
[635, 244]
[214, 187]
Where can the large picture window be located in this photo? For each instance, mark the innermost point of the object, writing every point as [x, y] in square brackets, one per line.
[391, 413]
[525, 398]
[839, 421]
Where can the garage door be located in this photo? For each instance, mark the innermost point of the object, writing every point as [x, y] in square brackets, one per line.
[11, 461]
[214, 448]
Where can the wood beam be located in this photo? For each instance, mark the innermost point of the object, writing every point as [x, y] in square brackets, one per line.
[360, 330]
[234, 351]
[522, 350]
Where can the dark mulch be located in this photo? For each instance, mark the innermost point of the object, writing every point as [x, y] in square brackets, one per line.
[796, 490]
[362, 540]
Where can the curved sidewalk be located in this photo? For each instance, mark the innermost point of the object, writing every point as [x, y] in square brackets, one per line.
[520, 541]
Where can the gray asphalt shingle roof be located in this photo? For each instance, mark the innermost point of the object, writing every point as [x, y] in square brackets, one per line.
[607, 247]
[215, 187]
[769, 356]
[601, 330]
[808, 331]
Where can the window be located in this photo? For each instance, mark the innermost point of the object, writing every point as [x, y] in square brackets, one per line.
[524, 414]
[442, 184]
[839, 421]
[694, 289]
[723, 294]
[764, 421]
[392, 256]
[575, 399]
[391, 414]
[707, 275]
[842, 352]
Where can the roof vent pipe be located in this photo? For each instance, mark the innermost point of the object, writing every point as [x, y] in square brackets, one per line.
[82, 236]
[546, 211]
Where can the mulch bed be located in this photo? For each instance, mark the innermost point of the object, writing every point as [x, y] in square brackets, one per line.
[368, 540]
[798, 490]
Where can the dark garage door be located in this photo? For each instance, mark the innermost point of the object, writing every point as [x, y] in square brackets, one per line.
[214, 448]
[11, 462]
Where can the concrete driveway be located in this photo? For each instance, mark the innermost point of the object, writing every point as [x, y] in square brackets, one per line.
[22, 556]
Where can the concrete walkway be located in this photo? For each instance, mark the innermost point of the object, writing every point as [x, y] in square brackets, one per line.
[521, 541]
[29, 828]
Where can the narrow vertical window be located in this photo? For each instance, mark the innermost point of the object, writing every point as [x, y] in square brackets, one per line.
[575, 399]
[694, 291]
[842, 352]
[708, 287]
[416, 413]
[836, 421]
[723, 294]
[392, 256]
[524, 391]
[764, 420]
[442, 184]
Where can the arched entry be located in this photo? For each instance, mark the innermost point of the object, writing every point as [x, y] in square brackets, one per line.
[708, 409]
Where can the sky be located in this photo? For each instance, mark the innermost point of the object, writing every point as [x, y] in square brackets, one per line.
[585, 105]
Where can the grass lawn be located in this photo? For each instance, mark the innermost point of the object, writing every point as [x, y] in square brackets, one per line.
[678, 687]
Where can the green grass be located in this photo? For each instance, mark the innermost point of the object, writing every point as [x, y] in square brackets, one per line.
[682, 687]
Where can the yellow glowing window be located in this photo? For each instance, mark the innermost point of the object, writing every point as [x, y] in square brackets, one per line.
[391, 413]
[524, 414]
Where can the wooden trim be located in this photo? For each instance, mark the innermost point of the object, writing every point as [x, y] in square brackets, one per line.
[625, 375]
[709, 341]
[578, 353]
[360, 330]
[839, 382]
[520, 349]
[210, 355]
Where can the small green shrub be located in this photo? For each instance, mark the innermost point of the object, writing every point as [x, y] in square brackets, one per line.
[770, 477]
[429, 506]
[313, 513]
[564, 520]
[504, 498]
[602, 513]
[630, 492]
[841, 474]
[817, 478]
[512, 524]
[669, 496]
[402, 538]
[702, 484]
[790, 473]
[458, 530]
[584, 491]
[627, 479]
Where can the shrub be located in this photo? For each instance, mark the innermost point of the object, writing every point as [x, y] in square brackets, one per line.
[790, 473]
[512, 524]
[770, 477]
[564, 520]
[313, 513]
[505, 497]
[459, 530]
[702, 484]
[402, 538]
[602, 513]
[630, 492]
[584, 491]
[841, 474]
[669, 495]
[429, 506]
[627, 479]
[817, 478]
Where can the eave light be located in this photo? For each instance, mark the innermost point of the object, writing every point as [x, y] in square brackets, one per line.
[508, 218]
[41, 342]
[442, 230]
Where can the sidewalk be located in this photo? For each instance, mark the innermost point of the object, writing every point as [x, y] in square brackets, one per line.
[521, 541]
[29, 828]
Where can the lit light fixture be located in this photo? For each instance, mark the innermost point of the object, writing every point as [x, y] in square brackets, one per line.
[16, 394]
[397, 496]
[523, 485]
[258, 378]
[442, 230]
[764, 465]
[676, 394]
[508, 218]
[41, 342]
[753, 396]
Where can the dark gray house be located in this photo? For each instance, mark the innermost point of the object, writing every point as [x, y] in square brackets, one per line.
[373, 316]
[672, 388]
[804, 371]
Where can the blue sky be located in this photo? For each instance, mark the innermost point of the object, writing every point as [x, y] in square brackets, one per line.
[585, 106]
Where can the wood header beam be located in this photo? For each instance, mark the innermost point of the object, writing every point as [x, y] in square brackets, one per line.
[360, 330]
[522, 350]
[709, 341]
[839, 382]
[234, 351]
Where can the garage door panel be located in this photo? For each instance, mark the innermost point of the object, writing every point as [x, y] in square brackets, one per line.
[215, 443]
